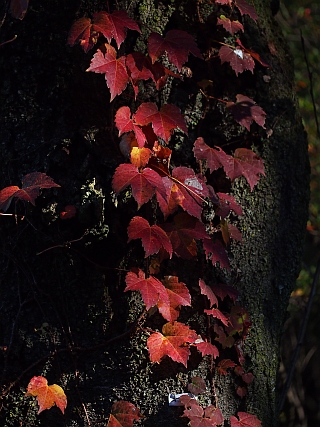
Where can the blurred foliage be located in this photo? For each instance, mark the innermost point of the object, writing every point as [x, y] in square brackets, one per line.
[301, 409]
[298, 17]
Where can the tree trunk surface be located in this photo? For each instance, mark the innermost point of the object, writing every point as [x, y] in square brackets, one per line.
[64, 314]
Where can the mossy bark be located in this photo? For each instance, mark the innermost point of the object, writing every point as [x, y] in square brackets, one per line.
[64, 314]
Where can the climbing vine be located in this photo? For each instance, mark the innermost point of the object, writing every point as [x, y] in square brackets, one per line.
[175, 224]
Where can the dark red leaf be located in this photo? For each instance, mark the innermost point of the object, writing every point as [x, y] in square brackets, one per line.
[246, 9]
[197, 386]
[245, 420]
[238, 59]
[151, 289]
[228, 204]
[214, 312]
[215, 252]
[234, 232]
[206, 348]
[239, 321]
[177, 44]
[123, 414]
[230, 26]
[242, 392]
[182, 233]
[245, 111]
[114, 69]
[222, 338]
[153, 237]
[18, 8]
[81, 32]
[247, 377]
[222, 291]
[143, 184]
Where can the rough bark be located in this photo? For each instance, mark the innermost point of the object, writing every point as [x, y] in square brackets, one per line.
[57, 294]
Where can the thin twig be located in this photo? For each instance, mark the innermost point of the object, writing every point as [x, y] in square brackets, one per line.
[301, 337]
[311, 84]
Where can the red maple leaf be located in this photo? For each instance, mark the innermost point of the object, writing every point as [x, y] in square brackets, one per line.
[207, 291]
[125, 123]
[118, 22]
[183, 189]
[123, 414]
[82, 32]
[86, 31]
[245, 420]
[176, 43]
[153, 237]
[163, 122]
[171, 342]
[199, 417]
[215, 252]
[245, 163]
[143, 183]
[225, 364]
[114, 69]
[206, 348]
[47, 396]
[178, 294]
[214, 312]
[215, 157]
[238, 59]
[245, 111]
[151, 289]
[182, 233]
[230, 26]
[29, 191]
[246, 9]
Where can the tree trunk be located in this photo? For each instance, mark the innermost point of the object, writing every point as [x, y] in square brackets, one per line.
[64, 314]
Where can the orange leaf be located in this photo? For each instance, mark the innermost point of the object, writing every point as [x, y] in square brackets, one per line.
[140, 156]
[46, 395]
